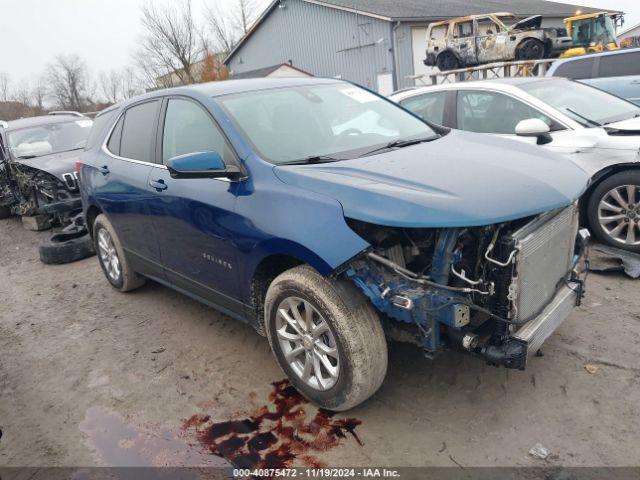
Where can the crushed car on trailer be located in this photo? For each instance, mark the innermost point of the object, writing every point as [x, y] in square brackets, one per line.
[38, 180]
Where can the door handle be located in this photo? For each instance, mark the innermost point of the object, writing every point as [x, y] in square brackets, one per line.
[159, 185]
[104, 170]
[635, 82]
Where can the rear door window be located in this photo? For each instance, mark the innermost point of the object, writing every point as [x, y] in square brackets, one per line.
[138, 132]
[620, 65]
[576, 69]
[429, 106]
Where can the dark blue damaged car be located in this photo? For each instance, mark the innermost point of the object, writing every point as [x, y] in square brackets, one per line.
[331, 220]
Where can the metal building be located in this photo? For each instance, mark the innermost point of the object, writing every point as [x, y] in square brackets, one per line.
[376, 43]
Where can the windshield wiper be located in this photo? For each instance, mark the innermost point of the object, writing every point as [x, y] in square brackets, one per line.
[401, 144]
[592, 122]
[27, 157]
[313, 160]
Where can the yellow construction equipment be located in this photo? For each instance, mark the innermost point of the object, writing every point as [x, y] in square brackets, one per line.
[592, 33]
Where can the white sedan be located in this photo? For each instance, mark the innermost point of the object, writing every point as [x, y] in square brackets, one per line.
[598, 131]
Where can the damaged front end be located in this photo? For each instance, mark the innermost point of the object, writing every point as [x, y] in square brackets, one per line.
[37, 192]
[496, 291]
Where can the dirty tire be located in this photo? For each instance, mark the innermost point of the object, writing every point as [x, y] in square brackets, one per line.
[128, 279]
[531, 49]
[447, 61]
[61, 248]
[5, 212]
[355, 326]
[632, 178]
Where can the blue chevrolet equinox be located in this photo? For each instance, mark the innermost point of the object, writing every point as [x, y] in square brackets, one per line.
[331, 220]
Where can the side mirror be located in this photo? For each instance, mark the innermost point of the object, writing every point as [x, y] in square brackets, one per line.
[201, 165]
[534, 127]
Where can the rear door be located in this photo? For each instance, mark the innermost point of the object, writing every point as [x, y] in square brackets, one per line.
[120, 181]
[491, 41]
[193, 218]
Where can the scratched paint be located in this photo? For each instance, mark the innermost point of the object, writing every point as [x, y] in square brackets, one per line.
[285, 433]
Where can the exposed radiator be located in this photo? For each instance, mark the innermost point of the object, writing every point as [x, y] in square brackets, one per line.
[545, 256]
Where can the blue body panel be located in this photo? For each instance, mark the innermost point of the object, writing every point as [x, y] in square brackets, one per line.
[207, 237]
[461, 180]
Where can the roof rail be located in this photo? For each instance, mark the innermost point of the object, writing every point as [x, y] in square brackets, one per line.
[66, 112]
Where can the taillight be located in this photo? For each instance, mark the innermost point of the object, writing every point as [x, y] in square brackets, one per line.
[78, 167]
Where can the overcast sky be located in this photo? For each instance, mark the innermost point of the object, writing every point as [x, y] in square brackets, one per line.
[104, 32]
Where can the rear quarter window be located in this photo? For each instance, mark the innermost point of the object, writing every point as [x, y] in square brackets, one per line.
[576, 69]
[100, 125]
[620, 65]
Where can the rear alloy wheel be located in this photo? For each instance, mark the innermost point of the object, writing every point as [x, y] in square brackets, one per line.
[614, 211]
[113, 260]
[531, 49]
[326, 337]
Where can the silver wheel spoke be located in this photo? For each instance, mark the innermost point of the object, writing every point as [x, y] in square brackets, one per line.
[290, 321]
[631, 234]
[331, 369]
[300, 324]
[308, 316]
[617, 230]
[293, 354]
[289, 337]
[326, 350]
[631, 194]
[320, 329]
[308, 366]
[618, 198]
[317, 370]
[612, 218]
[610, 207]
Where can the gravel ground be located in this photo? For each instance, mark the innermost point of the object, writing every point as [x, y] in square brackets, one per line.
[89, 376]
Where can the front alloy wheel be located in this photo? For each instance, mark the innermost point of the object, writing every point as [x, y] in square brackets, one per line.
[326, 337]
[308, 344]
[619, 214]
[613, 211]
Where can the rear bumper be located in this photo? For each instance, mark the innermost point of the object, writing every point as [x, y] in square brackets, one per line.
[536, 332]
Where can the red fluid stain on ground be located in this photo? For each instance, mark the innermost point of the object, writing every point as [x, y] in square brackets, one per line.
[274, 438]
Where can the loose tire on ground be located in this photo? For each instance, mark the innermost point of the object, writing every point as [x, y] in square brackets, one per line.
[127, 279]
[353, 324]
[623, 183]
[531, 49]
[61, 248]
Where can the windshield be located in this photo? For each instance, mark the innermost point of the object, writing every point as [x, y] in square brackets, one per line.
[600, 30]
[586, 105]
[48, 139]
[338, 120]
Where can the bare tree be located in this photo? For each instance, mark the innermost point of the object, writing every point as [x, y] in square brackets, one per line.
[229, 26]
[111, 86]
[5, 83]
[69, 82]
[130, 83]
[170, 43]
[38, 92]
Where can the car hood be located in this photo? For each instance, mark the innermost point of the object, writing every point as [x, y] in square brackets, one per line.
[528, 23]
[56, 164]
[627, 127]
[461, 180]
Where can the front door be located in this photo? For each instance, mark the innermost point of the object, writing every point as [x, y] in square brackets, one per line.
[193, 218]
[491, 41]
